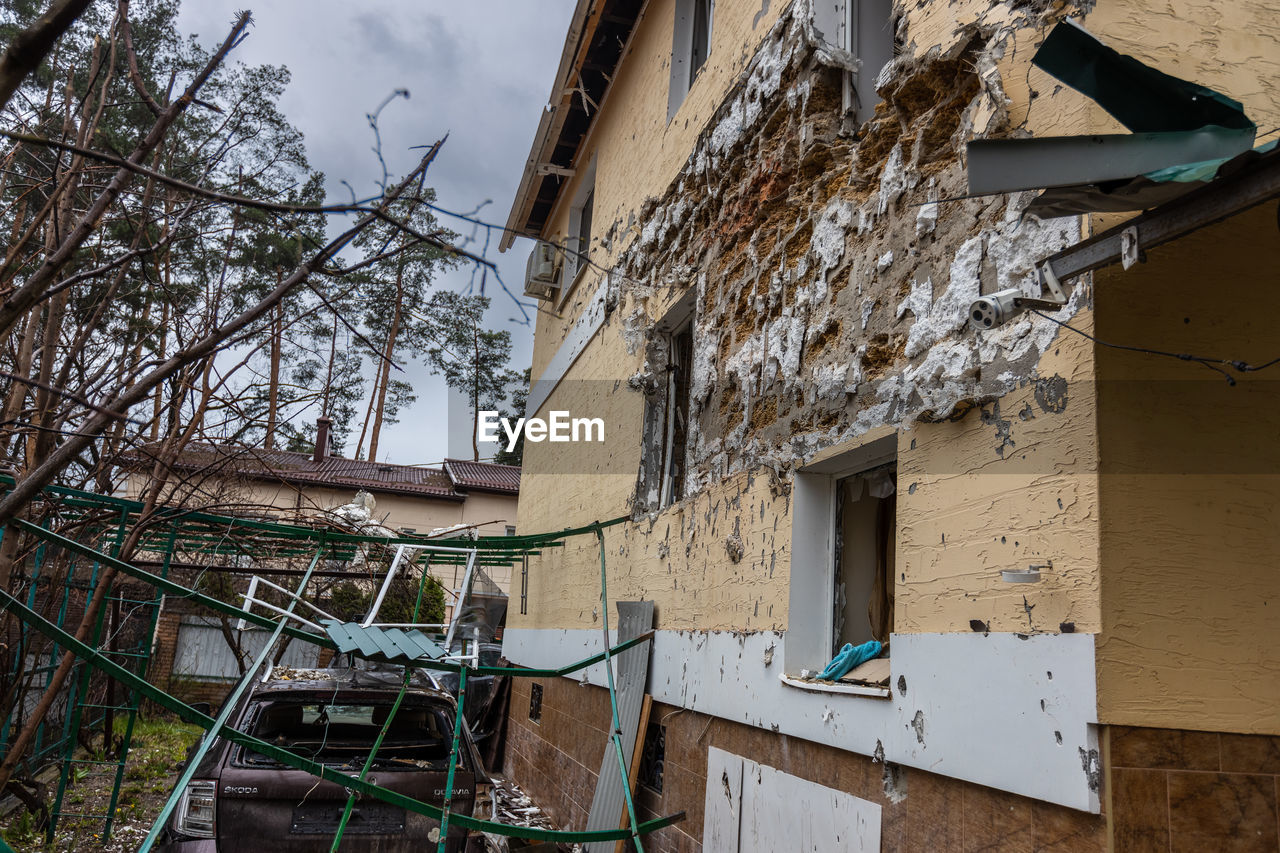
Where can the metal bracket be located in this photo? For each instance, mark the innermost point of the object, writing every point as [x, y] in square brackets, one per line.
[1048, 281]
[1130, 253]
[551, 169]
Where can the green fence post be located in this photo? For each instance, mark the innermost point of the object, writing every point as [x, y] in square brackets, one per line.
[453, 760]
[229, 705]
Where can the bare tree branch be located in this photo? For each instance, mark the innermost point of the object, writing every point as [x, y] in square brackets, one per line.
[134, 74]
[33, 291]
[45, 473]
[32, 45]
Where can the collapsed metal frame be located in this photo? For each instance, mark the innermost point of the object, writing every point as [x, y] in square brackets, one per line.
[195, 527]
[56, 740]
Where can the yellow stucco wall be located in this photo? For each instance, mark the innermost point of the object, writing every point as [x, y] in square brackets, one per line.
[965, 511]
[1190, 485]
[637, 152]
[969, 509]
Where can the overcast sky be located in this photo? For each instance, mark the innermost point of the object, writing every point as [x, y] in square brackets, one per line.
[480, 70]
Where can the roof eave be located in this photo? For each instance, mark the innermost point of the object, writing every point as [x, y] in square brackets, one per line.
[575, 54]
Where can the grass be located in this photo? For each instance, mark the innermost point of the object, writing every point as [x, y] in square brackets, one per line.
[158, 747]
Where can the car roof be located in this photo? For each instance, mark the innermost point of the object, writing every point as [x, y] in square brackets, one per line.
[286, 681]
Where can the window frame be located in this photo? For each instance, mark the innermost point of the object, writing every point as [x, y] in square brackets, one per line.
[811, 625]
[858, 36]
[575, 267]
[685, 64]
[655, 489]
[675, 468]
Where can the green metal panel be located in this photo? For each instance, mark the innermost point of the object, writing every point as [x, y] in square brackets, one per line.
[430, 648]
[390, 644]
[167, 585]
[10, 604]
[404, 647]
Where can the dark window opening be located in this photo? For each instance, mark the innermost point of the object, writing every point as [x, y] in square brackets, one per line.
[701, 37]
[872, 38]
[675, 444]
[338, 734]
[653, 757]
[535, 702]
[866, 520]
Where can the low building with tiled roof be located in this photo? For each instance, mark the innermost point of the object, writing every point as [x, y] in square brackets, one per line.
[300, 486]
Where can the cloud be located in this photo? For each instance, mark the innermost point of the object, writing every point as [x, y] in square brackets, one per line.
[479, 70]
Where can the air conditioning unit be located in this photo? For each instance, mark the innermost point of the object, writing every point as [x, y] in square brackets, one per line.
[541, 273]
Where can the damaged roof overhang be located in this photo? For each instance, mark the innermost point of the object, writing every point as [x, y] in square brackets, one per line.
[1183, 135]
[597, 39]
[1245, 181]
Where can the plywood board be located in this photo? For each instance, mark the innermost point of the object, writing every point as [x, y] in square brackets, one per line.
[637, 754]
[874, 671]
[754, 808]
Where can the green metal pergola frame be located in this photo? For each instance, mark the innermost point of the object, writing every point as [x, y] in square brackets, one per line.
[217, 535]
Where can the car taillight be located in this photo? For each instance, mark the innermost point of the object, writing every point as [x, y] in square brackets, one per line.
[197, 807]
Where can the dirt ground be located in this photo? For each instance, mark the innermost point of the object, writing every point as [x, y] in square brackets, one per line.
[158, 747]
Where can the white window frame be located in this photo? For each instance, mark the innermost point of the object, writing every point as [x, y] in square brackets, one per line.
[575, 267]
[811, 620]
[683, 74]
[864, 28]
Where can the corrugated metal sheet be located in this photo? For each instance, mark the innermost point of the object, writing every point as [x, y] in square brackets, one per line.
[608, 805]
[202, 651]
[381, 643]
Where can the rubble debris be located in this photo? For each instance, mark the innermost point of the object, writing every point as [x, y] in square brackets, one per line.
[513, 806]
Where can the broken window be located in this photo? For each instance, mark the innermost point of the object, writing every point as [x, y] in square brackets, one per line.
[340, 734]
[866, 29]
[669, 362]
[690, 47]
[862, 601]
[677, 426]
[701, 42]
[535, 702]
[843, 535]
[654, 757]
[869, 37]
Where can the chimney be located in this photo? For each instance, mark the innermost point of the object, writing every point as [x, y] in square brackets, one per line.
[322, 438]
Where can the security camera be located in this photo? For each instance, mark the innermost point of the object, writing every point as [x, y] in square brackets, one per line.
[995, 309]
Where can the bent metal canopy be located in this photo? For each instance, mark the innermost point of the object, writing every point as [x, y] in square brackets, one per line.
[217, 535]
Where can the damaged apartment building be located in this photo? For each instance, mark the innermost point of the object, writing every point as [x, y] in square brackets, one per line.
[936, 324]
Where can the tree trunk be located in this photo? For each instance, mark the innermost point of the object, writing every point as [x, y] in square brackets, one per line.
[385, 367]
[273, 380]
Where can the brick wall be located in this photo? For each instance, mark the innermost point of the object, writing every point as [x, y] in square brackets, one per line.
[1175, 790]
[557, 761]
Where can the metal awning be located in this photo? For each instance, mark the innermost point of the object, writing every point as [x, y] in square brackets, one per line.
[1182, 135]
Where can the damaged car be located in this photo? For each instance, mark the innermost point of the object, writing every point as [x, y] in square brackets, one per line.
[241, 800]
